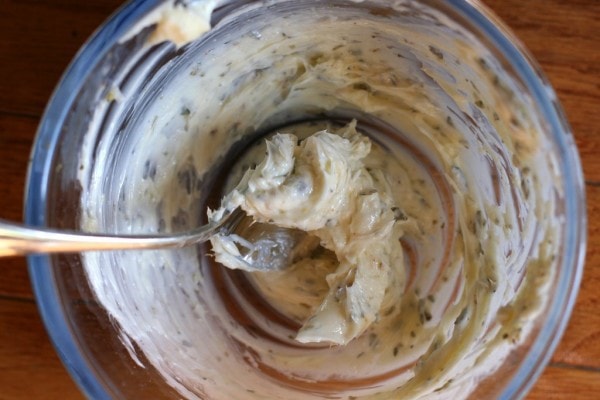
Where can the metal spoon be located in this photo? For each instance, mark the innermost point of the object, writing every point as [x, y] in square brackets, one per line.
[16, 239]
[266, 246]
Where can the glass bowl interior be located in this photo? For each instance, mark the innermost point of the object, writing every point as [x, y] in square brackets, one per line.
[112, 85]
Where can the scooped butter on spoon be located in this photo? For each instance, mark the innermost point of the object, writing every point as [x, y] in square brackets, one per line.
[322, 186]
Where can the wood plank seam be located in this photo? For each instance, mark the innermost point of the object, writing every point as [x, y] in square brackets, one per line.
[19, 299]
[578, 367]
[20, 114]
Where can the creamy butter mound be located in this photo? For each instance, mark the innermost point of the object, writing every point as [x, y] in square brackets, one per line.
[176, 21]
[322, 186]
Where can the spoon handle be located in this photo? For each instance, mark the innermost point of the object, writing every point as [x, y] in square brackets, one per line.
[17, 239]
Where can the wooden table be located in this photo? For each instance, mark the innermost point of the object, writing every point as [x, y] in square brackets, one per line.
[38, 39]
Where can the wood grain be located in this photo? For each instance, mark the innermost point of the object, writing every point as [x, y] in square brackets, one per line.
[16, 138]
[562, 382]
[580, 345]
[29, 366]
[39, 38]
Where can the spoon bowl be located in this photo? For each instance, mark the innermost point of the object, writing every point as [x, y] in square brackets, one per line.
[262, 249]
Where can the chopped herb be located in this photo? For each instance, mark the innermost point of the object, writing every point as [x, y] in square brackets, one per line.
[373, 340]
[436, 52]
[399, 214]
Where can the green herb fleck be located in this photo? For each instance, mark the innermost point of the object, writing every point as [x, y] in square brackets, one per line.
[436, 52]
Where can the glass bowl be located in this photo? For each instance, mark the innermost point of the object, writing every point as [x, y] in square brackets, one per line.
[90, 170]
